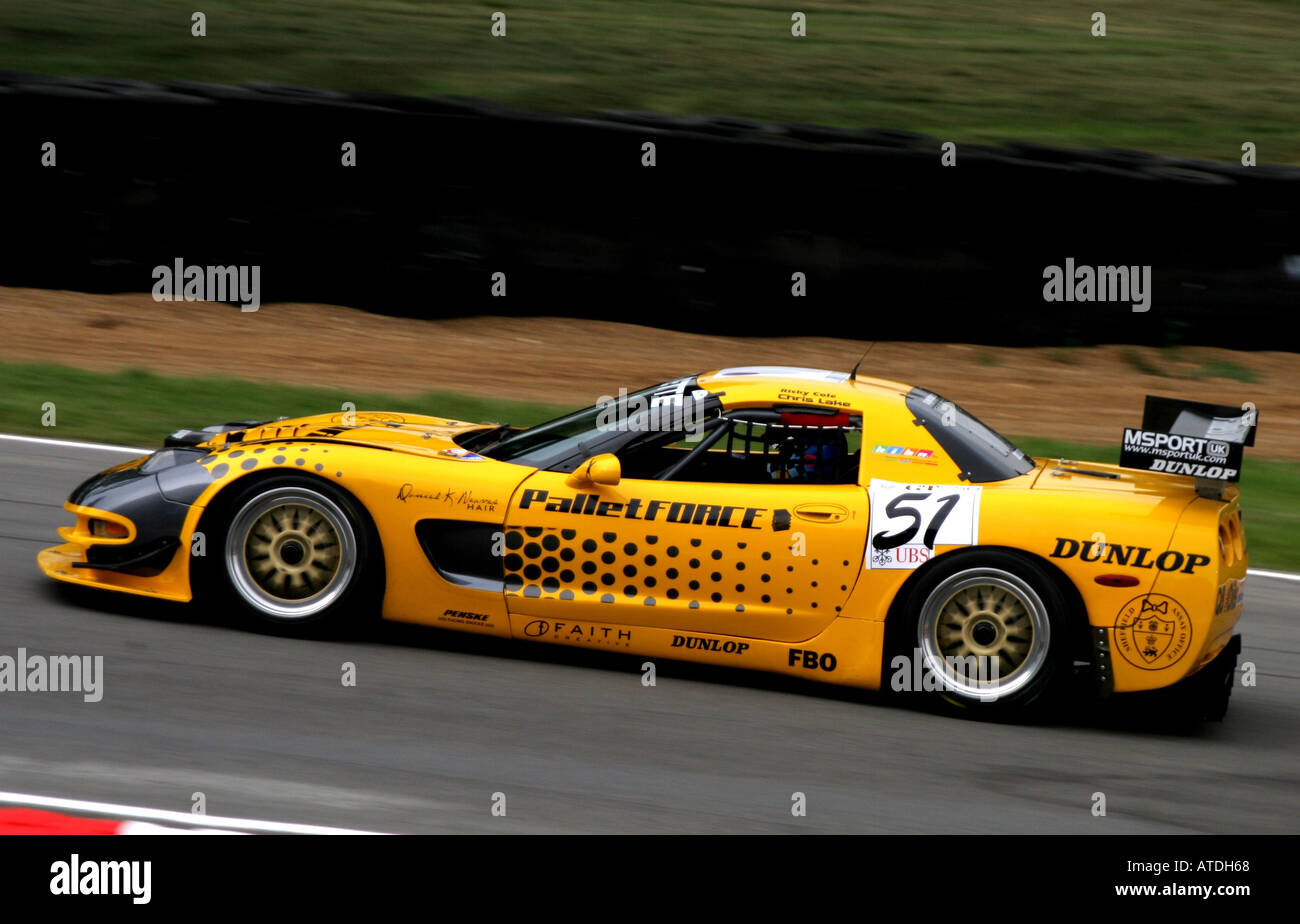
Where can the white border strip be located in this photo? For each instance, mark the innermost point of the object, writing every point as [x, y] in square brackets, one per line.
[72, 443]
[1281, 575]
[185, 818]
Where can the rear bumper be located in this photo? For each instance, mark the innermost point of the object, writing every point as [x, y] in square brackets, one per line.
[1188, 618]
[1207, 691]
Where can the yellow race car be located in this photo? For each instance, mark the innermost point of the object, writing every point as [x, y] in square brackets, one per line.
[818, 524]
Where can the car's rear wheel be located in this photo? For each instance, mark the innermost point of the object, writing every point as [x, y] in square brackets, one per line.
[991, 629]
[297, 552]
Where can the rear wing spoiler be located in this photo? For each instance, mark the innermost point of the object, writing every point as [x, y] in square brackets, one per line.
[1192, 438]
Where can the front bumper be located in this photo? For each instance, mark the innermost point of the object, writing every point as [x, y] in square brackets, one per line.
[58, 563]
[150, 568]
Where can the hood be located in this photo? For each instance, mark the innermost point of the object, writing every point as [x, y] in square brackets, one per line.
[415, 433]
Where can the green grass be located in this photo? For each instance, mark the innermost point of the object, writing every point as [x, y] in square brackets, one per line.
[1194, 78]
[1065, 357]
[1142, 364]
[139, 408]
[1173, 363]
[1222, 369]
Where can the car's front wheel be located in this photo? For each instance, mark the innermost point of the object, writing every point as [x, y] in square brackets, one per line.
[990, 629]
[296, 552]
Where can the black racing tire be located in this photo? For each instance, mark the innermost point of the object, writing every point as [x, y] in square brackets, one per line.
[291, 553]
[992, 630]
[1193, 702]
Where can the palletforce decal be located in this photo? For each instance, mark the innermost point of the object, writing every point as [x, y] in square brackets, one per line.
[638, 508]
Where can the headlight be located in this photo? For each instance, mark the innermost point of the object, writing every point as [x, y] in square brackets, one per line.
[167, 458]
[107, 529]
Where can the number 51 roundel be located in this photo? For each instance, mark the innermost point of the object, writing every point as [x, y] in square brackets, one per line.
[909, 520]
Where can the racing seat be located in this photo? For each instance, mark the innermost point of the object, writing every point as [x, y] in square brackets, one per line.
[812, 455]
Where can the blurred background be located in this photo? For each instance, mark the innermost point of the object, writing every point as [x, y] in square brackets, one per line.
[500, 248]
[1192, 79]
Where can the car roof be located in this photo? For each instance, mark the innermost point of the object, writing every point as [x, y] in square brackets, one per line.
[772, 383]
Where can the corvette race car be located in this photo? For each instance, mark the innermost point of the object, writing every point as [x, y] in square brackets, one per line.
[846, 529]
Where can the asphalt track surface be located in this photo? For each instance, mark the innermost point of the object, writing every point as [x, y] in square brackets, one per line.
[439, 722]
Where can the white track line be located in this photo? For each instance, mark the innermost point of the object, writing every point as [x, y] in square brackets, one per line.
[185, 818]
[73, 443]
[1281, 575]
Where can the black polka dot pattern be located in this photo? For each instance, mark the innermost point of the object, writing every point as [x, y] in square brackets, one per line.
[566, 564]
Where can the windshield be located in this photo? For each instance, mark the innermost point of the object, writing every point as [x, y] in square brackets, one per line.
[603, 427]
[981, 452]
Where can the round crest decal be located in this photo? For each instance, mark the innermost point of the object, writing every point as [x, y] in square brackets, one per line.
[1153, 632]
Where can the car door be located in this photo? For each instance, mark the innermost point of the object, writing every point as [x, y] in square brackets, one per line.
[773, 559]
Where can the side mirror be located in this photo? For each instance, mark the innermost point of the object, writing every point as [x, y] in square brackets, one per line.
[601, 469]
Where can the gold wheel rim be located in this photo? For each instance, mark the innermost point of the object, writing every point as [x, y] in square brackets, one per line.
[986, 621]
[292, 551]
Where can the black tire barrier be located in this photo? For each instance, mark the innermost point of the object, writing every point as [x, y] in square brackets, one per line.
[448, 191]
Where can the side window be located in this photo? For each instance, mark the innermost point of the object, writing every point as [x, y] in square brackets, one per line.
[783, 444]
